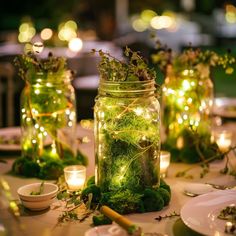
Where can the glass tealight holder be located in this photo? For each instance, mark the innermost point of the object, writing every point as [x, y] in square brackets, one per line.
[164, 163]
[75, 176]
[223, 138]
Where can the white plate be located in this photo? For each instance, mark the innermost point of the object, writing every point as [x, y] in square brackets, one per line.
[200, 213]
[106, 230]
[225, 107]
[7, 134]
[10, 133]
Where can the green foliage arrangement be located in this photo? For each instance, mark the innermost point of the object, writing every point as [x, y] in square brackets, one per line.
[135, 69]
[48, 117]
[125, 202]
[47, 168]
[201, 60]
[187, 97]
[79, 205]
[127, 135]
[29, 65]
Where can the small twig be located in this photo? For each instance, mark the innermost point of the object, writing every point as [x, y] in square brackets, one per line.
[183, 173]
[173, 214]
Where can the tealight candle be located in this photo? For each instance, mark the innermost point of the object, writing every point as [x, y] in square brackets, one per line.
[223, 139]
[164, 163]
[75, 176]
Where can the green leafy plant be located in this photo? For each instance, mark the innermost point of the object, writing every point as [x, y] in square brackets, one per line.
[127, 134]
[48, 117]
[128, 201]
[29, 65]
[201, 60]
[135, 69]
[187, 98]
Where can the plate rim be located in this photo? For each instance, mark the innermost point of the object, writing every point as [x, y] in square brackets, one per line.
[12, 130]
[219, 110]
[202, 230]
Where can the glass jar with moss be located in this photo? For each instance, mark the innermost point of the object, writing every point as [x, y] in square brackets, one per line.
[127, 127]
[187, 99]
[48, 117]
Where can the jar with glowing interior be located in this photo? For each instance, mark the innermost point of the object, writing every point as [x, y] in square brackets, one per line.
[127, 135]
[48, 117]
[187, 100]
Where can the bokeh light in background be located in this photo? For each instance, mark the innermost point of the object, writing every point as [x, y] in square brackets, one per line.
[149, 19]
[147, 15]
[67, 30]
[26, 32]
[161, 22]
[230, 15]
[46, 34]
[139, 25]
[75, 44]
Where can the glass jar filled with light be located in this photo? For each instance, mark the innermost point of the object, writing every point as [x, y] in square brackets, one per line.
[127, 134]
[48, 116]
[187, 103]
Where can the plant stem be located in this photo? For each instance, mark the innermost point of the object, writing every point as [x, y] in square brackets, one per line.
[208, 160]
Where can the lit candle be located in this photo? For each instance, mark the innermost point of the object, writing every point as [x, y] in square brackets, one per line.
[164, 163]
[75, 176]
[223, 139]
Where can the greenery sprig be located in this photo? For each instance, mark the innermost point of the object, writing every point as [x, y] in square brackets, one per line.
[194, 58]
[31, 64]
[205, 165]
[133, 68]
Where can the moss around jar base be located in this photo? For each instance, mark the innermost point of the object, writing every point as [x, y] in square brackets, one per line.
[46, 168]
[127, 201]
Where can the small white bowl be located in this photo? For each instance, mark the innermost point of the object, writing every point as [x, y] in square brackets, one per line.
[37, 202]
[38, 206]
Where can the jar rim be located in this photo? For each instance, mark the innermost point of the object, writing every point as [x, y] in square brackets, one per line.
[111, 82]
[127, 88]
[41, 77]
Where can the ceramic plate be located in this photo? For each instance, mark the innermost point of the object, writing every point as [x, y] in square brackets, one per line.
[10, 139]
[201, 213]
[225, 107]
[106, 230]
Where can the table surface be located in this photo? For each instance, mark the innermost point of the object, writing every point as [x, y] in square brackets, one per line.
[44, 223]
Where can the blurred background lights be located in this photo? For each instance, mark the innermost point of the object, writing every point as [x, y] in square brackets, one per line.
[67, 30]
[46, 34]
[147, 15]
[161, 22]
[75, 44]
[230, 15]
[71, 24]
[26, 32]
[139, 25]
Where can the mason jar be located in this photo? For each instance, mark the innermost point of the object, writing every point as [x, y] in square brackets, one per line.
[48, 117]
[187, 99]
[127, 136]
